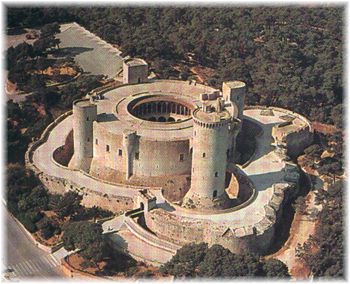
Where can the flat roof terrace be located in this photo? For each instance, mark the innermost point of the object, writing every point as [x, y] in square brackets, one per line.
[116, 101]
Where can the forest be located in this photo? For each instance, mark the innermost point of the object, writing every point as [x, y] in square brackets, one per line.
[289, 56]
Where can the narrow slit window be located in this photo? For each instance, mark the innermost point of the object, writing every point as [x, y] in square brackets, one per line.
[120, 152]
[137, 155]
[203, 155]
[107, 148]
[181, 157]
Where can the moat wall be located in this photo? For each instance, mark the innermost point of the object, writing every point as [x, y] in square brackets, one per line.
[295, 140]
[255, 238]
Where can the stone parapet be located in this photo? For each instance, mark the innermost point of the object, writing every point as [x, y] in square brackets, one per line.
[149, 238]
[286, 111]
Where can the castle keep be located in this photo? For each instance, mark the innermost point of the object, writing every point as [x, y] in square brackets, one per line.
[169, 149]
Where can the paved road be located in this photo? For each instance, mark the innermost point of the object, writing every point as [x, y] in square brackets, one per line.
[27, 260]
[92, 53]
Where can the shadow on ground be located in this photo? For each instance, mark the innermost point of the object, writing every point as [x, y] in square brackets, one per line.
[70, 51]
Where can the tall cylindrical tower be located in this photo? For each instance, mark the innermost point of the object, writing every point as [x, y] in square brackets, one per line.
[84, 114]
[209, 157]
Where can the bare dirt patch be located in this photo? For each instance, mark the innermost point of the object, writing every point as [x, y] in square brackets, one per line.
[302, 227]
[11, 87]
[60, 70]
[136, 271]
[325, 128]
[202, 73]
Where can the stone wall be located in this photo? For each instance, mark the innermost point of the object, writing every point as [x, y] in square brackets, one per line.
[210, 152]
[187, 230]
[135, 71]
[297, 138]
[147, 157]
[91, 197]
[84, 114]
[58, 185]
[255, 238]
[157, 158]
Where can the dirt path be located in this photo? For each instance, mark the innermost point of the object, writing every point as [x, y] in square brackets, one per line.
[202, 73]
[302, 227]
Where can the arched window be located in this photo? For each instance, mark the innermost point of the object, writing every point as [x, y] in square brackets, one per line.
[216, 174]
[203, 155]
[215, 193]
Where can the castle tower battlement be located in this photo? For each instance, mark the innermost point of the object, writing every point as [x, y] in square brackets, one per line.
[211, 132]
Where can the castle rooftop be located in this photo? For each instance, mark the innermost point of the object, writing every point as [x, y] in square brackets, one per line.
[83, 103]
[135, 62]
[211, 116]
[235, 84]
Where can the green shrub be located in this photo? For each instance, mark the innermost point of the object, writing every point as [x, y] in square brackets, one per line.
[27, 223]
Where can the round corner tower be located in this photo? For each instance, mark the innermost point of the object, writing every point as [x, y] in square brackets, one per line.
[135, 70]
[211, 144]
[84, 114]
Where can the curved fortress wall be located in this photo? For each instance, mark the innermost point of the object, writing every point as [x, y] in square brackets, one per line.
[185, 230]
[84, 114]
[131, 154]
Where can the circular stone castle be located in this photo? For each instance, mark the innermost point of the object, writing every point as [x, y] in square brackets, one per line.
[168, 150]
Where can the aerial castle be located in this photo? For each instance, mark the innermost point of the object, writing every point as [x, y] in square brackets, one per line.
[170, 148]
[202, 153]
